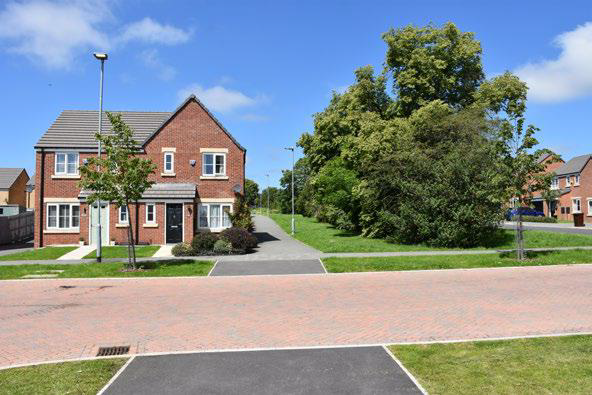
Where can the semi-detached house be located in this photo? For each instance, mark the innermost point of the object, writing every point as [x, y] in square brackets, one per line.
[573, 181]
[200, 167]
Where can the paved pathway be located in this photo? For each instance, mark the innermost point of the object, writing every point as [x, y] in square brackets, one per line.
[78, 253]
[44, 320]
[165, 251]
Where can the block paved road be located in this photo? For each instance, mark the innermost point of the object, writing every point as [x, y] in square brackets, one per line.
[45, 320]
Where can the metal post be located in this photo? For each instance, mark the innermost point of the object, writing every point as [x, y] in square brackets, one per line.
[102, 58]
[267, 194]
[292, 149]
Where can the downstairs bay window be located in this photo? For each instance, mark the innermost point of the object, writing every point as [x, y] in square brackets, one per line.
[63, 216]
[214, 216]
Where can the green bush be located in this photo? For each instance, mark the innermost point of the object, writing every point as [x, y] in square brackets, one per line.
[203, 243]
[530, 218]
[222, 246]
[241, 214]
[238, 237]
[182, 249]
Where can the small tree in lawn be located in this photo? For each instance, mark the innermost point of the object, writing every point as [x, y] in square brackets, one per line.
[521, 171]
[119, 176]
[241, 215]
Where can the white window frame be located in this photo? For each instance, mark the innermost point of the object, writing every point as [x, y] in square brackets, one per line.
[574, 209]
[577, 179]
[119, 212]
[589, 201]
[65, 172]
[555, 183]
[214, 156]
[172, 169]
[567, 182]
[153, 221]
[221, 217]
[57, 216]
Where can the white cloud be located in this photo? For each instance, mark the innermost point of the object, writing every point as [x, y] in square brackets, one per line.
[54, 32]
[152, 60]
[148, 30]
[569, 76]
[218, 98]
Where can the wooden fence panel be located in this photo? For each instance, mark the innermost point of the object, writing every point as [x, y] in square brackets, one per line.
[17, 228]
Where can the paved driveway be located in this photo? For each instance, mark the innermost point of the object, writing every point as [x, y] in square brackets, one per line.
[249, 268]
[358, 370]
[44, 320]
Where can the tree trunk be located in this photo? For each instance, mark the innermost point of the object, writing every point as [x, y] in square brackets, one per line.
[519, 237]
[131, 251]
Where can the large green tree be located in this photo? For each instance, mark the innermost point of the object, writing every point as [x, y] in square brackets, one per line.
[251, 193]
[119, 176]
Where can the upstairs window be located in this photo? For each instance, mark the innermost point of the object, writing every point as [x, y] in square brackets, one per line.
[66, 163]
[577, 180]
[214, 164]
[123, 217]
[555, 183]
[567, 183]
[169, 162]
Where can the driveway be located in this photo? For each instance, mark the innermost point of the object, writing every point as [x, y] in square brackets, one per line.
[358, 370]
[251, 268]
[45, 320]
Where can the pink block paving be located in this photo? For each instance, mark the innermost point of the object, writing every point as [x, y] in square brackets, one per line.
[39, 321]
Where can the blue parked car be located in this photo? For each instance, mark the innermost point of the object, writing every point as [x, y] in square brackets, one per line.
[524, 211]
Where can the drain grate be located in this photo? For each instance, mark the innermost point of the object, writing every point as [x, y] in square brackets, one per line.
[109, 351]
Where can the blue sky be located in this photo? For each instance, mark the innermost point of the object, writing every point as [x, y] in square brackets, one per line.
[265, 67]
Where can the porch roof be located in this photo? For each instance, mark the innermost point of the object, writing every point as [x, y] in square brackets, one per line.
[162, 190]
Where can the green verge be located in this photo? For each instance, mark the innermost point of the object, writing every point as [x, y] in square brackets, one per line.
[551, 365]
[326, 238]
[47, 253]
[121, 252]
[394, 263]
[81, 377]
[163, 268]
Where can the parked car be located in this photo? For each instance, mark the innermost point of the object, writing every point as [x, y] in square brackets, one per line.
[524, 211]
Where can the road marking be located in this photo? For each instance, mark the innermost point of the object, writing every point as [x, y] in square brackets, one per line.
[212, 269]
[407, 372]
[125, 365]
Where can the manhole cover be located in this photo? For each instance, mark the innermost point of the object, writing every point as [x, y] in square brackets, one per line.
[109, 351]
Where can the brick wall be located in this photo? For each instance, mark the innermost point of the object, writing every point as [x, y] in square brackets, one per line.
[187, 132]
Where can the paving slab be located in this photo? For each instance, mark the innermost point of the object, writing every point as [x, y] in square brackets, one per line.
[246, 268]
[355, 370]
[78, 253]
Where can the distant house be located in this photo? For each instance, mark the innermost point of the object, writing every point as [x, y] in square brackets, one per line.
[573, 181]
[200, 167]
[13, 183]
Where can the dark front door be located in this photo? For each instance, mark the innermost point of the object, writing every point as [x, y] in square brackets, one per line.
[174, 223]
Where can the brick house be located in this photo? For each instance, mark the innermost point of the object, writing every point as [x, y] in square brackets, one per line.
[538, 201]
[13, 186]
[573, 181]
[200, 166]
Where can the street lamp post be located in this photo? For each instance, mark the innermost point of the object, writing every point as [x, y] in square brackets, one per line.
[267, 175]
[102, 57]
[292, 149]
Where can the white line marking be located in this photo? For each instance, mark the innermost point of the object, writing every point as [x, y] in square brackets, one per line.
[407, 372]
[125, 365]
[198, 351]
[323, 265]
[213, 267]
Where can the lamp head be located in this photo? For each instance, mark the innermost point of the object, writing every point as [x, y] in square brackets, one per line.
[100, 55]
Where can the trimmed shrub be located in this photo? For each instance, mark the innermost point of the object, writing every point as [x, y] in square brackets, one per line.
[530, 218]
[182, 249]
[251, 241]
[238, 237]
[203, 243]
[222, 246]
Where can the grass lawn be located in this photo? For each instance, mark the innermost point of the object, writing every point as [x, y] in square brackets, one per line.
[121, 252]
[47, 253]
[164, 268]
[326, 238]
[552, 365]
[83, 377]
[393, 263]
